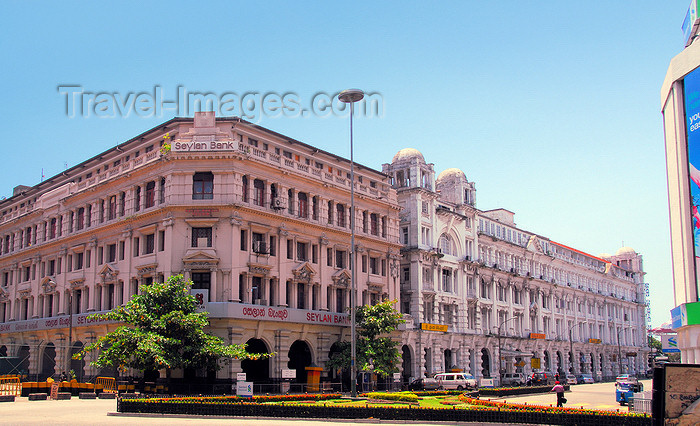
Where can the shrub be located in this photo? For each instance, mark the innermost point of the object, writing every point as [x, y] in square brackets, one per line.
[394, 396]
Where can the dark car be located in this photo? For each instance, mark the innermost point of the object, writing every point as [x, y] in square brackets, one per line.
[541, 378]
[426, 383]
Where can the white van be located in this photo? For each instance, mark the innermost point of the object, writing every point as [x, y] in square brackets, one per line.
[459, 381]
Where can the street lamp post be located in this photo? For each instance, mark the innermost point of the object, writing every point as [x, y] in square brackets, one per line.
[619, 352]
[350, 96]
[571, 343]
[500, 368]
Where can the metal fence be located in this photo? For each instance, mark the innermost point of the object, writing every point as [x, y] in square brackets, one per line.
[641, 402]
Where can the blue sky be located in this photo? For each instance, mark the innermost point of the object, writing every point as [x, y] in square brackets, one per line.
[552, 108]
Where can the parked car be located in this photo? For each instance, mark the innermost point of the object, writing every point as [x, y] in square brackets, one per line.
[425, 383]
[626, 378]
[571, 379]
[513, 379]
[542, 378]
[459, 381]
[584, 378]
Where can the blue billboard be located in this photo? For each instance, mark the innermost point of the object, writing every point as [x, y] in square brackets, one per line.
[691, 94]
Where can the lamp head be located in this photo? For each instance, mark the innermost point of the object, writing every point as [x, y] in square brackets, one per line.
[351, 95]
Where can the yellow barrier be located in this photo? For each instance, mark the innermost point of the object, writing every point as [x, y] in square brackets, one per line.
[10, 386]
[109, 384]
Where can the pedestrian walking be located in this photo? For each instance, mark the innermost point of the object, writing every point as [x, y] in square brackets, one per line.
[559, 389]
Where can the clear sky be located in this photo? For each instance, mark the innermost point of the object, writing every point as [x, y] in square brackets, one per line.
[551, 107]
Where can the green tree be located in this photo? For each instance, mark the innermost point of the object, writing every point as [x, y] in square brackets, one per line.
[374, 345]
[654, 343]
[162, 330]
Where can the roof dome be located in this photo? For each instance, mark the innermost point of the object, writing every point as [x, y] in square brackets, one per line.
[408, 154]
[451, 173]
[626, 251]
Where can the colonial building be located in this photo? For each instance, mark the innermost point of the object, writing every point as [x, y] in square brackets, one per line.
[258, 221]
[261, 225]
[476, 287]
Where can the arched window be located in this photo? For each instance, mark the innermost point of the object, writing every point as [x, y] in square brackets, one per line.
[446, 245]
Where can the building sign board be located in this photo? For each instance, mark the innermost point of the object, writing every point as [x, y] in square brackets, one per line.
[79, 320]
[244, 389]
[433, 327]
[535, 363]
[202, 145]
[215, 310]
[669, 343]
[597, 341]
[538, 336]
[201, 297]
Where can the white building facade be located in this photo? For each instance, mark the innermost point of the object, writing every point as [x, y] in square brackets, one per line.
[474, 286]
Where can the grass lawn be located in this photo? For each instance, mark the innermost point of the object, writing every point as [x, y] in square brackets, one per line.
[423, 402]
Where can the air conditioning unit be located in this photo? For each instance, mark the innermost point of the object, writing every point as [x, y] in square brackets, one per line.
[278, 203]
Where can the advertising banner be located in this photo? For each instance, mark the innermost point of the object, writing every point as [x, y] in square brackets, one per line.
[691, 95]
[669, 344]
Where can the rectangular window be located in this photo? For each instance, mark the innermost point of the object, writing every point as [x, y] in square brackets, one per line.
[203, 186]
[314, 253]
[111, 253]
[78, 261]
[161, 240]
[329, 256]
[244, 240]
[303, 207]
[88, 255]
[121, 250]
[81, 219]
[374, 224]
[259, 243]
[301, 296]
[100, 257]
[302, 251]
[112, 207]
[290, 248]
[52, 230]
[259, 192]
[340, 215]
[122, 204]
[137, 199]
[273, 246]
[136, 245]
[374, 265]
[340, 259]
[150, 194]
[150, 244]
[364, 263]
[201, 237]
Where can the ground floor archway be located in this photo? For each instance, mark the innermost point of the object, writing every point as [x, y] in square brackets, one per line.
[299, 359]
[257, 371]
[48, 361]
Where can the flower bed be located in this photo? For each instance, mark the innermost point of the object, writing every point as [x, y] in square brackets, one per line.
[477, 411]
[500, 392]
[230, 399]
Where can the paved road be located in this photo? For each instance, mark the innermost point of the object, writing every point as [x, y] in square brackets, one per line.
[78, 412]
[597, 396]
